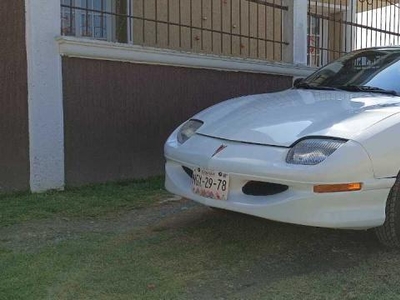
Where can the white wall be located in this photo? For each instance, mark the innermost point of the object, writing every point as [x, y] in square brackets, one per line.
[46, 132]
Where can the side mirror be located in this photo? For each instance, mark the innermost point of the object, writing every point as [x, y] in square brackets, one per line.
[297, 81]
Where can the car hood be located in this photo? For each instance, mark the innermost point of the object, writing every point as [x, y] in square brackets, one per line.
[280, 119]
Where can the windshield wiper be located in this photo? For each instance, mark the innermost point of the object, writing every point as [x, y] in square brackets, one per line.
[305, 85]
[366, 88]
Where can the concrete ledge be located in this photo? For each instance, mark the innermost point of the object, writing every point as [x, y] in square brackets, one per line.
[94, 49]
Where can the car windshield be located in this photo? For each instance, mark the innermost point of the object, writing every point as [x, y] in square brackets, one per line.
[372, 70]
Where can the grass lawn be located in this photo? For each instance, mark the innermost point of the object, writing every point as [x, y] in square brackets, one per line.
[90, 201]
[132, 241]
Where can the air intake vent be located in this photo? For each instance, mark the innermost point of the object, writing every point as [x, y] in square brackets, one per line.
[259, 188]
[188, 171]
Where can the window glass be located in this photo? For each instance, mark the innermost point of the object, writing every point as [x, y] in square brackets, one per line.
[377, 68]
[67, 17]
[86, 18]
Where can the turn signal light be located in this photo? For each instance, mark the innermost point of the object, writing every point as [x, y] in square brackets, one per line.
[335, 188]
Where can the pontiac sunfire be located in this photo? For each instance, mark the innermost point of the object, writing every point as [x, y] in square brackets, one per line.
[325, 153]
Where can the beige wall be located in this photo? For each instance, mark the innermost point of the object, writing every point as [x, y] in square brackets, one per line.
[241, 17]
[361, 5]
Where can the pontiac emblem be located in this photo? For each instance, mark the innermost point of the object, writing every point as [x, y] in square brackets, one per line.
[220, 148]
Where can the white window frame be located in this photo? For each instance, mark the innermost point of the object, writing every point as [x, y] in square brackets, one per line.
[130, 22]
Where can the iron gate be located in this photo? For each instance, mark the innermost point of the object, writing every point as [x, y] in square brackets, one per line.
[336, 27]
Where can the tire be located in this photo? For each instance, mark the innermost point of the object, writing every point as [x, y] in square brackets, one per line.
[389, 233]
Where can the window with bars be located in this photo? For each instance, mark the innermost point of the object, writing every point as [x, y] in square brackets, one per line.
[314, 51]
[240, 28]
[87, 18]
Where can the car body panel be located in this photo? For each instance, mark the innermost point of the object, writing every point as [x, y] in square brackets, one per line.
[382, 143]
[258, 118]
[248, 139]
[360, 210]
[299, 204]
[344, 165]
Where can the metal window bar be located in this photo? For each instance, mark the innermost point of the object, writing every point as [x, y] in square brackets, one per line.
[248, 28]
[175, 29]
[212, 25]
[281, 31]
[240, 29]
[156, 17]
[168, 26]
[336, 27]
[201, 24]
[143, 21]
[265, 31]
[273, 33]
[258, 30]
[231, 27]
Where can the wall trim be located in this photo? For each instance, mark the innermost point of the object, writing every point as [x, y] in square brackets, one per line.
[45, 99]
[101, 50]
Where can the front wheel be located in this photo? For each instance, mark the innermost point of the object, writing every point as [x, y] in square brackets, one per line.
[389, 233]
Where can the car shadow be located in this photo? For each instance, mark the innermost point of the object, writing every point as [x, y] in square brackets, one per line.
[271, 251]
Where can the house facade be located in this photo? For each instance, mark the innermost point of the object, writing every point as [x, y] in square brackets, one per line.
[92, 88]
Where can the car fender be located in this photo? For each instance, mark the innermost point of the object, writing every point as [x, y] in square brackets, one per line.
[382, 143]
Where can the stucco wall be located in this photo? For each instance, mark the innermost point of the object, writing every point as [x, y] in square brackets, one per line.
[14, 145]
[118, 115]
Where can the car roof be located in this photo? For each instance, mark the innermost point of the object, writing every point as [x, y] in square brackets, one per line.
[391, 48]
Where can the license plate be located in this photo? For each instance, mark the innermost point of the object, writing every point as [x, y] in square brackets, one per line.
[210, 184]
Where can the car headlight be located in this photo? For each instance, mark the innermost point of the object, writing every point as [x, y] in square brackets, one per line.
[188, 130]
[313, 151]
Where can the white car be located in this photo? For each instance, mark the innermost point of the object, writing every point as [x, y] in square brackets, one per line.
[325, 153]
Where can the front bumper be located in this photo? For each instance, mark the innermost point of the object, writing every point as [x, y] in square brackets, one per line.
[298, 204]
